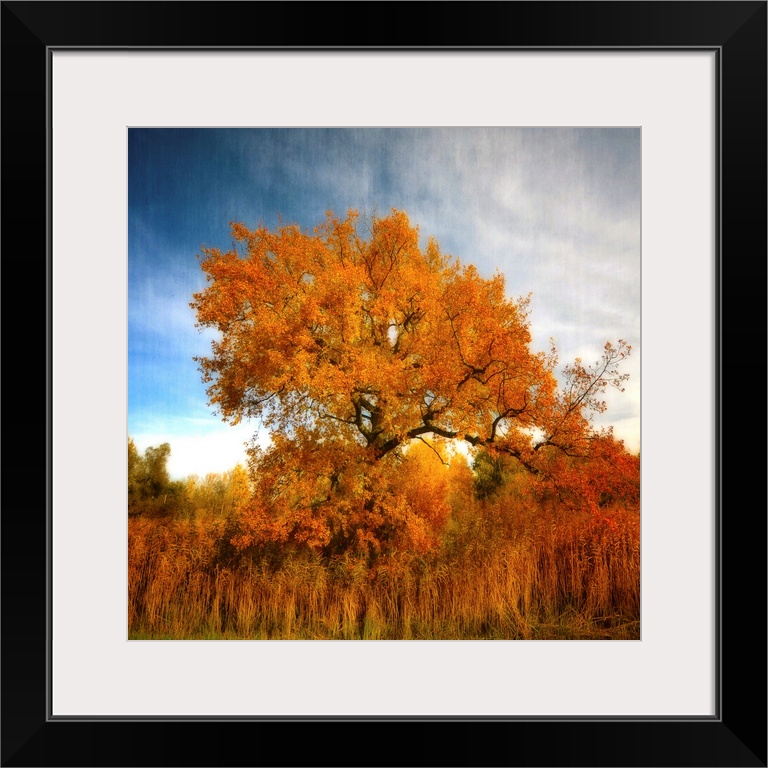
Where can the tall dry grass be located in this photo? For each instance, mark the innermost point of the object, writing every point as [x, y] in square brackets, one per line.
[543, 576]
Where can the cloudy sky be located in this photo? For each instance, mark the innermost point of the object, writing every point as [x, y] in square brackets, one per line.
[557, 210]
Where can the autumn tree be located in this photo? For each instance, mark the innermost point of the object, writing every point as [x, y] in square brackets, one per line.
[349, 343]
[217, 495]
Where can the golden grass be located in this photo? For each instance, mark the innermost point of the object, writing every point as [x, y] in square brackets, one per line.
[553, 577]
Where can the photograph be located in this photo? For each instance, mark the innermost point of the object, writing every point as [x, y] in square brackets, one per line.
[383, 384]
[350, 355]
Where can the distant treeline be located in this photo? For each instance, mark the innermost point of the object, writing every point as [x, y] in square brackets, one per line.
[152, 493]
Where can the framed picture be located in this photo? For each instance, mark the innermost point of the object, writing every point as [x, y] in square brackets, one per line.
[688, 80]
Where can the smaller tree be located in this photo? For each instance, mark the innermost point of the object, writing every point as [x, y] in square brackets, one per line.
[489, 473]
[135, 470]
[422, 482]
[156, 477]
[219, 496]
[149, 483]
[238, 491]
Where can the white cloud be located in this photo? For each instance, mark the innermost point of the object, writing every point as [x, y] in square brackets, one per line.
[198, 448]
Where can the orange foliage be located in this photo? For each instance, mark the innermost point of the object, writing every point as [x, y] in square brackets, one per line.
[349, 349]
[604, 476]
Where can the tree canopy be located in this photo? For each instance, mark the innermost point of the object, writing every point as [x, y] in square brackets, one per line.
[351, 342]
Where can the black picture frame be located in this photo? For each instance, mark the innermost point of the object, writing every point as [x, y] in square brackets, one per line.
[736, 736]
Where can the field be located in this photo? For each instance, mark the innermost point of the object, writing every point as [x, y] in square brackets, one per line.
[499, 574]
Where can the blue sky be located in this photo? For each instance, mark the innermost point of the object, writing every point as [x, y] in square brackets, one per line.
[557, 210]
